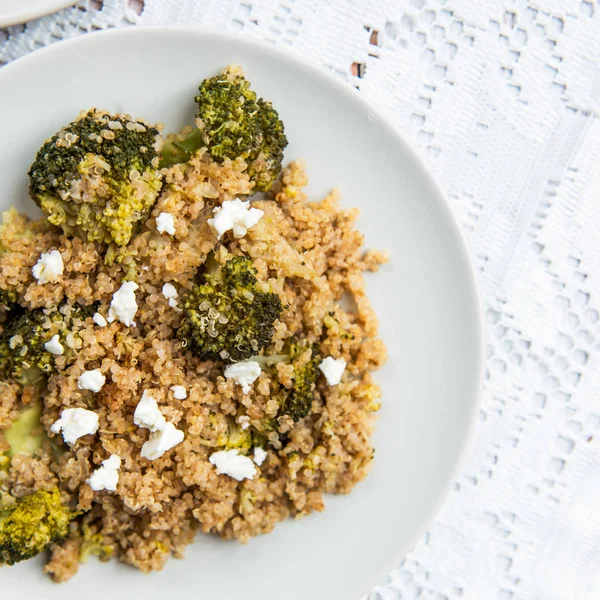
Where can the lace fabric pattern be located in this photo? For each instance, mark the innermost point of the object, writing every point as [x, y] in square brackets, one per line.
[502, 99]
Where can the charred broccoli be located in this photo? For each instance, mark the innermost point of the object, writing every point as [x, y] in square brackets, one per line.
[226, 317]
[8, 299]
[23, 352]
[297, 401]
[31, 524]
[97, 177]
[232, 122]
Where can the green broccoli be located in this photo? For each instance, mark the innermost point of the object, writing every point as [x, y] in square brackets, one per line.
[8, 299]
[225, 432]
[31, 524]
[93, 544]
[25, 434]
[242, 439]
[296, 402]
[232, 122]
[23, 355]
[247, 501]
[226, 317]
[98, 176]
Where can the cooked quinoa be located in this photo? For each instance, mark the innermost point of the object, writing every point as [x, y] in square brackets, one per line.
[310, 255]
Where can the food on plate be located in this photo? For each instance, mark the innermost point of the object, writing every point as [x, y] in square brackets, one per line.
[233, 123]
[98, 177]
[176, 354]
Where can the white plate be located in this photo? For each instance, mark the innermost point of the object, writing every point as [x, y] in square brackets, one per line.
[426, 299]
[13, 12]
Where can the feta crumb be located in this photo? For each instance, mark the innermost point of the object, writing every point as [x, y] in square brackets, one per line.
[160, 441]
[234, 464]
[169, 292]
[92, 380]
[49, 267]
[75, 423]
[54, 346]
[99, 320]
[123, 306]
[260, 454]
[165, 223]
[179, 392]
[244, 421]
[234, 215]
[333, 369]
[106, 477]
[147, 414]
[243, 373]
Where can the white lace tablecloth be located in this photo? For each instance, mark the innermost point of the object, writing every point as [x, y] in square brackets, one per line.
[502, 97]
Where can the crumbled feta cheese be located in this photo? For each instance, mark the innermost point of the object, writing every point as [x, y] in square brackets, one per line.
[92, 380]
[234, 215]
[244, 421]
[54, 346]
[75, 423]
[147, 414]
[106, 477]
[123, 306]
[162, 440]
[49, 267]
[165, 223]
[179, 392]
[99, 320]
[260, 454]
[169, 292]
[243, 373]
[234, 464]
[333, 369]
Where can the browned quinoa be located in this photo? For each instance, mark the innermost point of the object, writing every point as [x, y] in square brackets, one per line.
[307, 252]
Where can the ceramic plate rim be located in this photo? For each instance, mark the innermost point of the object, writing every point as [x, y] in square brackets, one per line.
[38, 11]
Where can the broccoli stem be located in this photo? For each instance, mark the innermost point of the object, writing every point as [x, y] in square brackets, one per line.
[180, 150]
[26, 435]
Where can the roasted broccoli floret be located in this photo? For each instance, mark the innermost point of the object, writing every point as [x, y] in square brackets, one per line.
[297, 401]
[233, 122]
[8, 299]
[98, 177]
[31, 524]
[238, 438]
[227, 317]
[23, 355]
[243, 440]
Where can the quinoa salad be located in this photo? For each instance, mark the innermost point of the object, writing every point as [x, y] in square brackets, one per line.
[185, 339]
